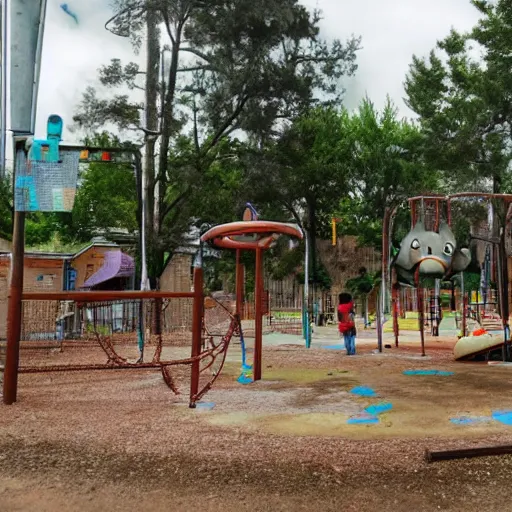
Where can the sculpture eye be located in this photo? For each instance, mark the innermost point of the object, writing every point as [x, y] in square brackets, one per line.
[415, 244]
[449, 249]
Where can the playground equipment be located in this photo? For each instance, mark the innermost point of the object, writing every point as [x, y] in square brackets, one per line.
[253, 235]
[434, 215]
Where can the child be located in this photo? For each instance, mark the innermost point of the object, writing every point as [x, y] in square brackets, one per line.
[346, 325]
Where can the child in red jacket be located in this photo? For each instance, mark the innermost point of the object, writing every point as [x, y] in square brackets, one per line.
[346, 323]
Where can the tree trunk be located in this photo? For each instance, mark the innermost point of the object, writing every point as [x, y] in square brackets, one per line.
[152, 68]
[312, 237]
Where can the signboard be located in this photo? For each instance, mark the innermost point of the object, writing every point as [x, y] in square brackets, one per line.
[46, 186]
[91, 155]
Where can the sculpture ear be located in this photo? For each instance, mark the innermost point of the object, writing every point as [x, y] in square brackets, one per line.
[461, 260]
[419, 227]
[445, 231]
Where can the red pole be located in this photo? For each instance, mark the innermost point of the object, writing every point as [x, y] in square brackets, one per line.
[12, 356]
[239, 285]
[258, 320]
[197, 330]
[421, 319]
[395, 291]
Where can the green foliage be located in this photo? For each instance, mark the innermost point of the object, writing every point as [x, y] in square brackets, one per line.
[6, 209]
[385, 165]
[246, 65]
[361, 285]
[107, 199]
[463, 101]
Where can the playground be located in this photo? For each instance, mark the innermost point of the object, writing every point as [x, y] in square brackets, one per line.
[285, 441]
[224, 393]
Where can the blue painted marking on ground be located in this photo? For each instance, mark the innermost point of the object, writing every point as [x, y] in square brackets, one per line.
[469, 420]
[363, 420]
[363, 391]
[439, 373]
[504, 417]
[205, 405]
[335, 347]
[244, 379]
[377, 409]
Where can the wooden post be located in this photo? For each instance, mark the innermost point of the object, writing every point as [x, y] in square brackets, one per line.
[197, 330]
[14, 310]
[258, 320]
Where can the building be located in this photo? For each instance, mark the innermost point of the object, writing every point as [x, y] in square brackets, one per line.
[99, 266]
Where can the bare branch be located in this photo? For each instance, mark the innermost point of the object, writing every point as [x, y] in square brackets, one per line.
[196, 68]
[224, 128]
[197, 53]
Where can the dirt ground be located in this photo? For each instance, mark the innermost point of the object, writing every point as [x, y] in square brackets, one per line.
[120, 440]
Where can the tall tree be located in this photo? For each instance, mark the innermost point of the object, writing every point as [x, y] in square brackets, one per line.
[386, 166]
[305, 170]
[464, 101]
[244, 65]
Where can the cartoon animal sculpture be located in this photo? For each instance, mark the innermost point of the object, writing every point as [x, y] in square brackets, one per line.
[433, 254]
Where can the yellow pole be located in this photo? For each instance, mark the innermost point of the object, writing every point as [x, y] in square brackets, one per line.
[333, 224]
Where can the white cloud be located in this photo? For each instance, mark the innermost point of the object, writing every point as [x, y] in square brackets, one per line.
[392, 31]
[72, 55]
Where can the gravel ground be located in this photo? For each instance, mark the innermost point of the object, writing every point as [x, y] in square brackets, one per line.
[120, 440]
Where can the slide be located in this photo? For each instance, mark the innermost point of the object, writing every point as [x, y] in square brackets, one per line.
[471, 346]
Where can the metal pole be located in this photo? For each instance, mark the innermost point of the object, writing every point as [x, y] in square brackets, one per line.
[239, 286]
[463, 296]
[421, 318]
[197, 329]
[258, 320]
[37, 69]
[14, 309]
[379, 319]
[305, 306]
[3, 90]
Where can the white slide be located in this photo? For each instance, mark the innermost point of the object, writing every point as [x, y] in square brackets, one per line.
[473, 345]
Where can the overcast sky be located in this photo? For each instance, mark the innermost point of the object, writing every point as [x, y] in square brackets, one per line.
[392, 31]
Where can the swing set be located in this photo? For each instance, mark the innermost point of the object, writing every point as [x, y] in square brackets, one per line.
[495, 234]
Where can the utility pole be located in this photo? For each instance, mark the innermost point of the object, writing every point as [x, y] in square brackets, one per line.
[3, 86]
[151, 110]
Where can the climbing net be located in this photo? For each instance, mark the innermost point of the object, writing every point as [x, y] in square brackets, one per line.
[128, 334]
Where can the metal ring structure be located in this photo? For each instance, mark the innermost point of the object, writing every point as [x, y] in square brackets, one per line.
[249, 235]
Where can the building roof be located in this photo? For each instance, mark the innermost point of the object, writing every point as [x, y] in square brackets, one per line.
[96, 242]
[40, 255]
[116, 264]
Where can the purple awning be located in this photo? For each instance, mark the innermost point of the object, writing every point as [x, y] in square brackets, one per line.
[116, 264]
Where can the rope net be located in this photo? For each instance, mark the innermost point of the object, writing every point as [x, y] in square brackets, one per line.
[122, 334]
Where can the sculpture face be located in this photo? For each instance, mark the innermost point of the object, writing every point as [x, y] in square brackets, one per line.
[434, 254]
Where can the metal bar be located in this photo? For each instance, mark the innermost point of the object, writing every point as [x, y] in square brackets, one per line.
[395, 293]
[3, 89]
[305, 305]
[482, 195]
[14, 312]
[239, 284]
[421, 313]
[197, 329]
[99, 296]
[379, 317]
[258, 321]
[37, 66]
[430, 196]
[467, 453]
[463, 294]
